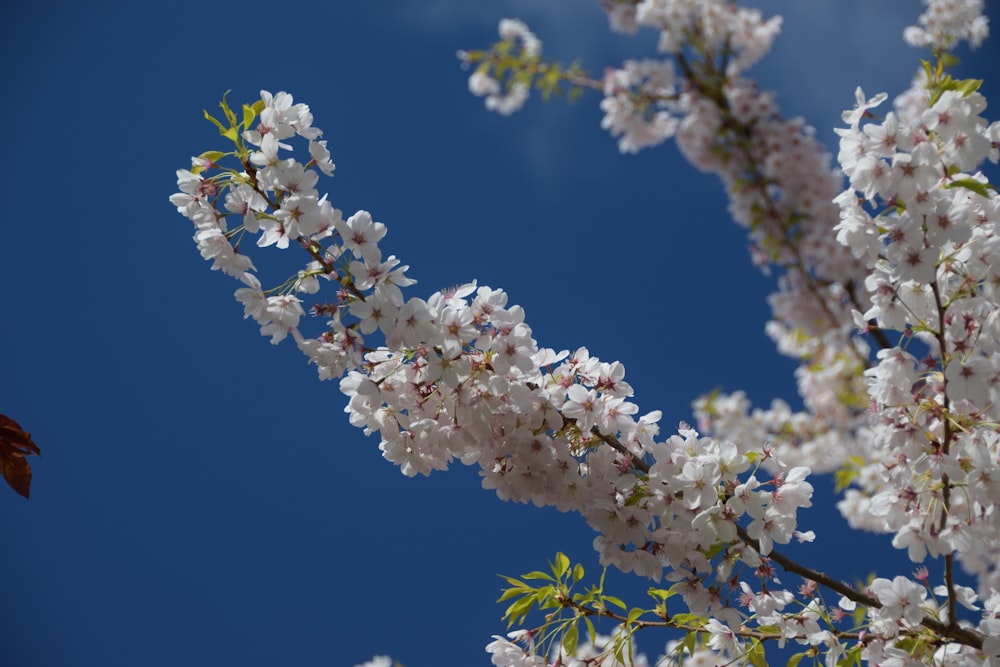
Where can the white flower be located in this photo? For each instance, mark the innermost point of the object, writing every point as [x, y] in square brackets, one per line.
[482, 84]
[283, 313]
[697, 481]
[504, 653]
[583, 405]
[514, 30]
[361, 235]
[901, 599]
[253, 299]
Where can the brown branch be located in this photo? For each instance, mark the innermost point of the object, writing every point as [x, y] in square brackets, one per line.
[953, 632]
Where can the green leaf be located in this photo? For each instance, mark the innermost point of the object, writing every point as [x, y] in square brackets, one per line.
[561, 565]
[968, 86]
[537, 575]
[769, 630]
[928, 72]
[224, 105]
[852, 657]
[688, 620]
[843, 478]
[756, 655]
[571, 639]
[619, 655]
[519, 610]
[210, 117]
[228, 132]
[546, 597]
[973, 185]
[716, 549]
[690, 641]
[908, 644]
[249, 113]
[577, 573]
[591, 633]
[610, 599]
[634, 614]
[211, 156]
[514, 582]
[659, 593]
[795, 660]
[510, 593]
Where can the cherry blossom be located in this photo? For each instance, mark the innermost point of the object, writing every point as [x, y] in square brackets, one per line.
[901, 599]
[887, 295]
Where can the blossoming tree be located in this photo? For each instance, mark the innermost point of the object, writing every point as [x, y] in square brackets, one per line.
[888, 297]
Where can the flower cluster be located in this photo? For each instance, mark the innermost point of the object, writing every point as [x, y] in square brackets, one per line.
[926, 225]
[910, 250]
[914, 252]
[481, 84]
[641, 104]
[708, 26]
[459, 376]
[781, 188]
[947, 22]
[522, 652]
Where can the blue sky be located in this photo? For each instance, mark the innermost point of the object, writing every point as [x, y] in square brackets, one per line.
[201, 498]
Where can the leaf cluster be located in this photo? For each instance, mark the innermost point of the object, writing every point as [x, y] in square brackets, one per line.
[511, 67]
[939, 81]
[231, 129]
[552, 592]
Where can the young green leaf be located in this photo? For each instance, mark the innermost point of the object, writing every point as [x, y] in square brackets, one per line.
[973, 185]
[795, 660]
[756, 655]
[519, 610]
[546, 597]
[610, 599]
[660, 593]
[968, 86]
[570, 639]
[690, 642]
[591, 632]
[851, 658]
[510, 593]
[514, 582]
[693, 621]
[230, 116]
[561, 565]
[210, 117]
[249, 113]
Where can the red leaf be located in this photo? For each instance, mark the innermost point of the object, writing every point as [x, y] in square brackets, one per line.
[15, 444]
